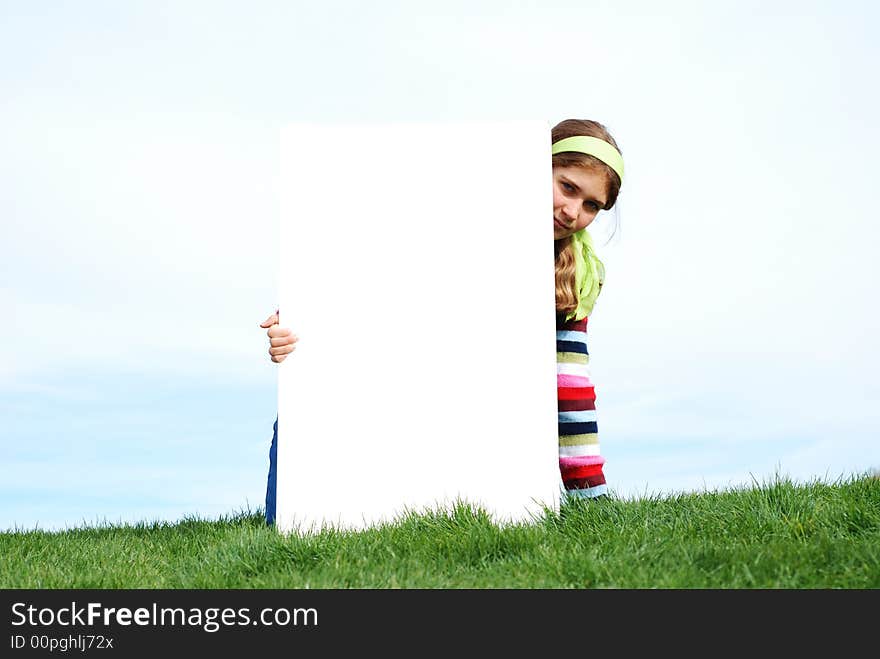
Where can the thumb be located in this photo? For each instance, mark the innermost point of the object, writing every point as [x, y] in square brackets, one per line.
[271, 320]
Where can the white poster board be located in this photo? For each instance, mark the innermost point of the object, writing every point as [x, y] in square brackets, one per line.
[416, 267]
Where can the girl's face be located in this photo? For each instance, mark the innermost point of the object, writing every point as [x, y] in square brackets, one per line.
[578, 195]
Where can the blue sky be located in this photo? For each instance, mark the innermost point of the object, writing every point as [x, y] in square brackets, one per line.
[735, 337]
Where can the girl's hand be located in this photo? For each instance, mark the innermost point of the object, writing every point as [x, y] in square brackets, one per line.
[282, 342]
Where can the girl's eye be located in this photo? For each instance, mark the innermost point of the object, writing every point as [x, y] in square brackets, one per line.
[593, 206]
[568, 187]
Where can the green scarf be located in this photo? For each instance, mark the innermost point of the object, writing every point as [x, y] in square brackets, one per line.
[589, 274]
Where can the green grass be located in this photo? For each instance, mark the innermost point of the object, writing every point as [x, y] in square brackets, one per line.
[776, 535]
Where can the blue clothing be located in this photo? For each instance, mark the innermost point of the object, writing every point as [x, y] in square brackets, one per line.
[271, 484]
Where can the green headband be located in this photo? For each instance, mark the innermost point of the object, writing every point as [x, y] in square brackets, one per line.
[595, 147]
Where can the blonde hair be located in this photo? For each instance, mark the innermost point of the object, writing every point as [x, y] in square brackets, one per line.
[566, 292]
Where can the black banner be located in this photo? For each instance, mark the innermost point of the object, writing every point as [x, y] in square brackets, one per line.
[244, 623]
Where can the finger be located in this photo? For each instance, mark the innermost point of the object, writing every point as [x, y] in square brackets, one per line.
[281, 350]
[283, 341]
[276, 332]
[271, 320]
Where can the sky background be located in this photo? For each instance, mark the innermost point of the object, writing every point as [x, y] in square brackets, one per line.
[735, 338]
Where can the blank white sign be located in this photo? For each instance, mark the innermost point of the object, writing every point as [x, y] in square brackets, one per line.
[417, 269]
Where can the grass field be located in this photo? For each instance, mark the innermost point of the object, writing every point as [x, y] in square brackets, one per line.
[776, 535]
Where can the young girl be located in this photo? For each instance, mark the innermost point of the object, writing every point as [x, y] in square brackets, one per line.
[587, 175]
